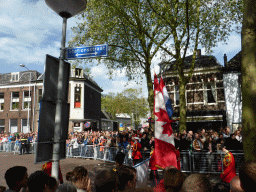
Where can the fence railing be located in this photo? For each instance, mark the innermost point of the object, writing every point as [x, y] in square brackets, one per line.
[190, 161]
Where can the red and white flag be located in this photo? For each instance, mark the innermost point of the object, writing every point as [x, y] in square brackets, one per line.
[164, 153]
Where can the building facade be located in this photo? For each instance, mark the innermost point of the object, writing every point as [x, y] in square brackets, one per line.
[85, 101]
[205, 98]
[21, 92]
[233, 94]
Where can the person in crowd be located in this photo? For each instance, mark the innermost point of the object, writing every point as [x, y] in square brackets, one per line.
[40, 181]
[232, 143]
[80, 139]
[238, 135]
[106, 181]
[226, 133]
[154, 176]
[23, 144]
[196, 183]
[127, 178]
[247, 175]
[66, 187]
[47, 168]
[221, 187]
[80, 179]
[235, 185]
[136, 154]
[16, 178]
[229, 168]
[144, 141]
[209, 148]
[29, 142]
[119, 159]
[172, 180]
[197, 148]
[2, 188]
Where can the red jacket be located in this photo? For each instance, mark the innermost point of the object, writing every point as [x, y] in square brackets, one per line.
[229, 168]
[136, 154]
[160, 187]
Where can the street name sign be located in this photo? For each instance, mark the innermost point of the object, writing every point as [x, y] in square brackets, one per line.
[87, 51]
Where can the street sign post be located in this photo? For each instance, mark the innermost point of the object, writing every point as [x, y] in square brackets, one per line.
[87, 51]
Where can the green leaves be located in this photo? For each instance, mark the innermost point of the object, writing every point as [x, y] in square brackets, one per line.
[129, 101]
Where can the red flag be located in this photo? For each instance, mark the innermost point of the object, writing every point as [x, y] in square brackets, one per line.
[165, 154]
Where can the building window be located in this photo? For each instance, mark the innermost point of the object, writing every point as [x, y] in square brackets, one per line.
[13, 126]
[2, 125]
[40, 95]
[77, 127]
[15, 76]
[26, 100]
[78, 72]
[77, 97]
[24, 126]
[15, 101]
[1, 101]
[177, 95]
[210, 95]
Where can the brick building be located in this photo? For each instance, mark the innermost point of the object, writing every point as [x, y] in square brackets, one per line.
[19, 108]
[205, 98]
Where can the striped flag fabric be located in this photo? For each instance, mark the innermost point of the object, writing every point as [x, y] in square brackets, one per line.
[164, 153]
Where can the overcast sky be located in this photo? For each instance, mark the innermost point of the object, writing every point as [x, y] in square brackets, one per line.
[30, 30]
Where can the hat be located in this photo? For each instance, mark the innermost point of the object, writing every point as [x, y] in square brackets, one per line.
[137, 138]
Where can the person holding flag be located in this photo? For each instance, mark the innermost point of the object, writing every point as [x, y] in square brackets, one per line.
[229, 167]
[164, 154]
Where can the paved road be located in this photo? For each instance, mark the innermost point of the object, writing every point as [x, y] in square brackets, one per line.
[9, 160]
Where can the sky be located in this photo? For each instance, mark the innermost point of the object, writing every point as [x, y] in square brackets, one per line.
[30, 30]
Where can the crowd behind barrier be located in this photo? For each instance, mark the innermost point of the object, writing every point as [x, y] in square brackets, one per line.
[199, 151]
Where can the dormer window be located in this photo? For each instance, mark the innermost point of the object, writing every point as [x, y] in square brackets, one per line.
[15, 76]
[78, 72]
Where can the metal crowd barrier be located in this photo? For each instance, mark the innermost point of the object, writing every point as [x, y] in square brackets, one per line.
[204, 162]
[15, 147]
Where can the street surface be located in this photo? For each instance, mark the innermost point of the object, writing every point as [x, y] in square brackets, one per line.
[9, 160]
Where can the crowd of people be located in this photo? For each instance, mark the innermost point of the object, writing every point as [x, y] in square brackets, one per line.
[124, 178]
[139, 141]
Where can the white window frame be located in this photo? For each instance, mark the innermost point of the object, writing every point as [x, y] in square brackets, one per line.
[175, 95]
[15, 76]
[26, 99]
[24, 126]
[16, 100]
[1, 102]
[214, 94]
[2, 126]
[10, 126]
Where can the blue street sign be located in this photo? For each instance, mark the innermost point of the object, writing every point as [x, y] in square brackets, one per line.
[87, 51]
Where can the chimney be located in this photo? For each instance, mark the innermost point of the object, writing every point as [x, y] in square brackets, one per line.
[225, 60]
[198, 53]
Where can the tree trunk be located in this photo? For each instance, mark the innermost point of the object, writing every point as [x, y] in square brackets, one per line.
[183, 116]
[249, 79]
[150, 90]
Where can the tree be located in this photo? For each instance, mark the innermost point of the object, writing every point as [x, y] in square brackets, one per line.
[114, 104]
[130, 101]
[193, 23]
[138, 107]
[248, 79]
[121, 24]
[136, 30]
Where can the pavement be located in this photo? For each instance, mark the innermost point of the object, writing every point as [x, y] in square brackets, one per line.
[8, 160]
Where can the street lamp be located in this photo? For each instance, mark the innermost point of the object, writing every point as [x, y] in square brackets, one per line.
[28, 122]
[65, 9]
